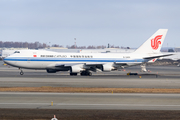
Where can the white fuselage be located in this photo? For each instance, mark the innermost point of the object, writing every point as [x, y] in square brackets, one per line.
[37, 59]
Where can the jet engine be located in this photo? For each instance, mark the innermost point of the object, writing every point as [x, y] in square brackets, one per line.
[76, 69]
[107, 68]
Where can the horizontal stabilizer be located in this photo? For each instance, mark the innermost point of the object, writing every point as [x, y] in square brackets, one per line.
[158, 56]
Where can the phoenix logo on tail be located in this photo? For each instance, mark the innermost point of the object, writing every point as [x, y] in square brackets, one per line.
[155, 43]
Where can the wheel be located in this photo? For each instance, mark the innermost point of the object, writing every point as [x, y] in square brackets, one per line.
[83, 73]
[86, 73]
[89, 73]
[73, 74]
[21, 73]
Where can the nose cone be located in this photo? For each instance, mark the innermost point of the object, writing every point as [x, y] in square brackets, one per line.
[6, 60]
[9, 61]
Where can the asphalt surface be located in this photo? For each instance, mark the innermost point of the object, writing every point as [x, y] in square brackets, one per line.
[157, 77]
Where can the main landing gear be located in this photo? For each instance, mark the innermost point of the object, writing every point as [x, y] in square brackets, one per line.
[86, 73]
[83, 73]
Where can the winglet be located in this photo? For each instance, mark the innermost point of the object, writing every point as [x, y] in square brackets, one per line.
[154, 43]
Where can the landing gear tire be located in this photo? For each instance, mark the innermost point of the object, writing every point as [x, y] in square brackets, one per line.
[89, 73]
[86, 73]
[21, 73]
[73, 74]
[83, 73]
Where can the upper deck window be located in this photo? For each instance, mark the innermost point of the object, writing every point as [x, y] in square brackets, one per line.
[17, 52]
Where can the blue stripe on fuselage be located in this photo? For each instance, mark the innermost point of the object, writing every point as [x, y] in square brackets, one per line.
[72, 59]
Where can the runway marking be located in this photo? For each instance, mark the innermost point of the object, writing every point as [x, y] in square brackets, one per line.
[64, 104]
[88, 81]
[93, 94]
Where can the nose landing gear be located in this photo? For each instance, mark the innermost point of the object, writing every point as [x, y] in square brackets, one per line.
[21, 73]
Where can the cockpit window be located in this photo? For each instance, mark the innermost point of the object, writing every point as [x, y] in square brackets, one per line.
[17, 52]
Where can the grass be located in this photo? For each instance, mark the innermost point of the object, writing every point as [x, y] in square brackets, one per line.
[87, 90]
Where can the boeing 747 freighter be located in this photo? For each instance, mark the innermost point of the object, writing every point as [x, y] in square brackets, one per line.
[85, 63]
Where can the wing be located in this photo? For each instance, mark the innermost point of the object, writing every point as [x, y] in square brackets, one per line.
[94, 66]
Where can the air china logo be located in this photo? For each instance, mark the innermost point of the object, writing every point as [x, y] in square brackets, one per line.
[155, 43]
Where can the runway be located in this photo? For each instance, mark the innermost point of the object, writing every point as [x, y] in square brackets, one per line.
[93, 101]
[158, 77]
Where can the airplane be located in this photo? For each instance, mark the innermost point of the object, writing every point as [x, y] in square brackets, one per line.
[86, 63]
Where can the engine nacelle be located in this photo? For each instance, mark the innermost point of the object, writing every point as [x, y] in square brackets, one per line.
[76, 69]
[107, 68]
[51, 71]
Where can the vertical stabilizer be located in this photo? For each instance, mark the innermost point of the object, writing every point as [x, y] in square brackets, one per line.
[154, 43]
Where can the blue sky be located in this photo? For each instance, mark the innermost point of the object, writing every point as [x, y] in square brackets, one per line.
[91, 22]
